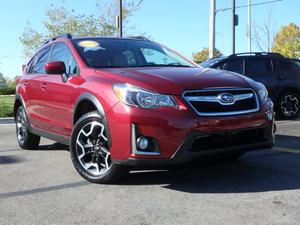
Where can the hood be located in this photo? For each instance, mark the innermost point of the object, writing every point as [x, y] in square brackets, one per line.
[175, 80]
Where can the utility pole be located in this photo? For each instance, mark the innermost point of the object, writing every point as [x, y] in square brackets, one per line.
[249, 27]
[119, 19]
[233, 26]
[212, 24]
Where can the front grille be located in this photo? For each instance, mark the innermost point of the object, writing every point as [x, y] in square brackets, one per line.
[222, 102]
[228, 139]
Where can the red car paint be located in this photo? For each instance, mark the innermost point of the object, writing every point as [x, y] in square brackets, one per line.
[50, 104]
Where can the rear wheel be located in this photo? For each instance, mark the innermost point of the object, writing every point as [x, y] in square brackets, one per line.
[90, 151]
[25, 139]
[288, 105]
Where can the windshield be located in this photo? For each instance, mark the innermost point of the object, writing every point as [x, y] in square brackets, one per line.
[122, 53]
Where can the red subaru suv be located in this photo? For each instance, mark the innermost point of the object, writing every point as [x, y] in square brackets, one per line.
[124, 102]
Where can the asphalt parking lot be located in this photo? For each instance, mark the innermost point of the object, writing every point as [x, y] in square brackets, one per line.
[42, 187]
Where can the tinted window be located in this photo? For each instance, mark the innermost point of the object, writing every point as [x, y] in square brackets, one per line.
[130, 57]
[256, 66]
[62, 53]
[116, 53]
[30, 66]
[233, 65]
[41, 59]
[282, 66]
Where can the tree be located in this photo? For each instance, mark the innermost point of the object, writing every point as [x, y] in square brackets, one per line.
[263, 35]
[287, 41]
[2, 80]
[60, 20]
[203, 55]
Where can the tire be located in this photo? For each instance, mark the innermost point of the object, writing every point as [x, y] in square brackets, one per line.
[288, 105]
[25, 138]
[89, 151]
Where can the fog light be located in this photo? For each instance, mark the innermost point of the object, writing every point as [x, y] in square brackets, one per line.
[142, 143]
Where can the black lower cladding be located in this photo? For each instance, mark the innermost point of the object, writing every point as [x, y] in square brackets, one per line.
[198, 144]
[227, 139]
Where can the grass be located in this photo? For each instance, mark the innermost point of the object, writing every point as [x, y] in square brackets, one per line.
[6, 106]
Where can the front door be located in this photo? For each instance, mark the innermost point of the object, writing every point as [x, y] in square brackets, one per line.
[56, 95]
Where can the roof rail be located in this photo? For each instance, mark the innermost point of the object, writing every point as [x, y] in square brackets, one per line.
[140, 37]
[256, 54]
[66, 35]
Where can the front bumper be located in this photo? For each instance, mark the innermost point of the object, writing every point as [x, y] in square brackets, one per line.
[230, 141]
[176, 130]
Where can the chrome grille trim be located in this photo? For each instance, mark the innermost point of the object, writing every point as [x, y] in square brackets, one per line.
[216, 99]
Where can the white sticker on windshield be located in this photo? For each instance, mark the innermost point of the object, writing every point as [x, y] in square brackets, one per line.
[89, 45]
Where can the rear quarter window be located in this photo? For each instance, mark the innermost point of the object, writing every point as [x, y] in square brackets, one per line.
[256, 66]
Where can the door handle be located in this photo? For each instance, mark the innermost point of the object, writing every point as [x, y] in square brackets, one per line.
[25, 83]
[43, 86]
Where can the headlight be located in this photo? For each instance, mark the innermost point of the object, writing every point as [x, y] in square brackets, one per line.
[262, 91]
[135, 96]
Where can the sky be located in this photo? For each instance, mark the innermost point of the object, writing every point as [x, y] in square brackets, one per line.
[182, 24]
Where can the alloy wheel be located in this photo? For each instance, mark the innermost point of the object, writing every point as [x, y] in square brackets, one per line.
[92, 148]
[21, 126]
[290, 105]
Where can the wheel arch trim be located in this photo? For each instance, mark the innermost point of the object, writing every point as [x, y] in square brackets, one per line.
[94, 100]
[19, 98]
[285, 89]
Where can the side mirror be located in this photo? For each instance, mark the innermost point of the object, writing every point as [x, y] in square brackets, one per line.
[57, 67]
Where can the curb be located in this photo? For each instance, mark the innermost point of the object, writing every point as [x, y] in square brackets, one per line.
[7, 120]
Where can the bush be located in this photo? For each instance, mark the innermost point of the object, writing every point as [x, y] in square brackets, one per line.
[6, 106]
[10, 90]
[6, 109]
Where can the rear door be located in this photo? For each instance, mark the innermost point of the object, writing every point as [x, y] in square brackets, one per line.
[286, 73]
[56, 95]
[260, 69]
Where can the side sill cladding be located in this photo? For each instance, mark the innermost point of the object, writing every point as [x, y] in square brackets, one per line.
[91, 98]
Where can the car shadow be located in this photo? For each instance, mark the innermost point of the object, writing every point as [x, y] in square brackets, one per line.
[8, 159]
[53, 147]
[257, 171]
[288, 143]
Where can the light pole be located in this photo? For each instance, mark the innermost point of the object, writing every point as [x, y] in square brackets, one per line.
[119, 19]
[212, 28]
[233, 26]
[249, 27]
[234, 20]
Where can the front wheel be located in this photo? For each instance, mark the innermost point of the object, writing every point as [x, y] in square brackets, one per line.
[90, 151]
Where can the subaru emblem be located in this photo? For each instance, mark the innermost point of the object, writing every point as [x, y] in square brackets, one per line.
[226, 98]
